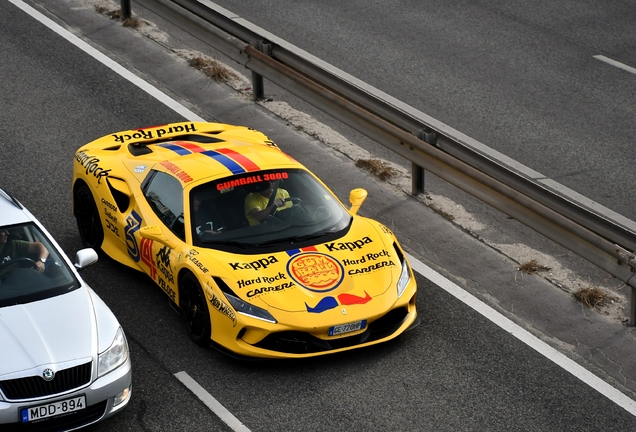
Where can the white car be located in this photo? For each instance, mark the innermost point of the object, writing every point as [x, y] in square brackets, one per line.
[64, 360]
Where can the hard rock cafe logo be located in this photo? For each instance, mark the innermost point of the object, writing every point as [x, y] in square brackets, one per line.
[315, 271]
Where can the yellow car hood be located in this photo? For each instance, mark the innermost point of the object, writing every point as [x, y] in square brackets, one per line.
[350, 271]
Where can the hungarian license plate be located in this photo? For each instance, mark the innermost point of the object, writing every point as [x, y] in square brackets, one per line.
[53, 409]
[347, 328]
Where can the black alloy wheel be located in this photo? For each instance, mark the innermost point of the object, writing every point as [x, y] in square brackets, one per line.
[88, 219]
[194, 309]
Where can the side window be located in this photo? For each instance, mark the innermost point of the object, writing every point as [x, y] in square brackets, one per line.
[165, 195]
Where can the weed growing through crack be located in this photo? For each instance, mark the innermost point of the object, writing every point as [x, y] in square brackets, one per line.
[532, 267]
[380, 169]
[116, 15]
[132, 23]
[212, 69]
[592, 297]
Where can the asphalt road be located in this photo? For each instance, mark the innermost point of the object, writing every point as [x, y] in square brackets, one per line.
[456, 371]
[520, 77]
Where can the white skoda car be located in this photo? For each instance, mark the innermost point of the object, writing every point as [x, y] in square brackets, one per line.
[64, 360]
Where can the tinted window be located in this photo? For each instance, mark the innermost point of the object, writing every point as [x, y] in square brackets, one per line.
[20, 279]
[165, 195]
[220, 212]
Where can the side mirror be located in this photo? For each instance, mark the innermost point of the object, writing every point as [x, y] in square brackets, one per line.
[356, 198]
[154, 232]
[85, 258]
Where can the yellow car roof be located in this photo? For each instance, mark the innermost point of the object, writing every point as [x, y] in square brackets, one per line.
[199, 150]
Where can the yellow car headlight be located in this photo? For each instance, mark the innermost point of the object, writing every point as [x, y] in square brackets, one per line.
[250, 310]
[405, 277]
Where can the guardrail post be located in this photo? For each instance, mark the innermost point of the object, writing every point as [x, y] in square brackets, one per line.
[417, 172]
[258, 86]
[632, 308]
[417, 179]
[126, 11]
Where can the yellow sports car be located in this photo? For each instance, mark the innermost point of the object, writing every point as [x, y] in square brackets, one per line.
[258, 254]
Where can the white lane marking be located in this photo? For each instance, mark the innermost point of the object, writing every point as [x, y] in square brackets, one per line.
[615, 63]
[212, 403]
[526, 337]
[107, 61]
[574, 368]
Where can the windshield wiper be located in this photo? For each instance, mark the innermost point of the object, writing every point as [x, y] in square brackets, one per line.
[229, 243]
[293, 239]
[301, 238]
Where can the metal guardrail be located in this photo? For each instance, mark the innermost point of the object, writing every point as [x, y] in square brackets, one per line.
[600, 236]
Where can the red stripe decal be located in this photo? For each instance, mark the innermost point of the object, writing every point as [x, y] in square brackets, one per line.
[244, 161]
[189, 146]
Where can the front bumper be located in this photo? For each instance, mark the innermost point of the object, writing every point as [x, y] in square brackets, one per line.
[245, 340]
[101, 398]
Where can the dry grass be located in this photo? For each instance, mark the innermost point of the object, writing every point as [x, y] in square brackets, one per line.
[112, 14]
[592, 297]
[212, 69]
[116, 15]
[132, 23]
[532, 267]
[380, 169]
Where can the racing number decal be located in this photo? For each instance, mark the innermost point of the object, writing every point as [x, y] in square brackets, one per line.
[133, 223]
[146, 257]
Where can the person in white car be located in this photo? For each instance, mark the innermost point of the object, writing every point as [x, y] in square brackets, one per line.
[14, 248]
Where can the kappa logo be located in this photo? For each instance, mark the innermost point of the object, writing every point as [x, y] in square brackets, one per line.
[262, 263]
[350, 246]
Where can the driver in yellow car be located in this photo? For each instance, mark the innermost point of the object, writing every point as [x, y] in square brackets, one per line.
[13, 248]
[256, 203]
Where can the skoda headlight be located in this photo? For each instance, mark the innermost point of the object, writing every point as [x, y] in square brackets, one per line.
[405, 277]
[249, 309]
[114, 356]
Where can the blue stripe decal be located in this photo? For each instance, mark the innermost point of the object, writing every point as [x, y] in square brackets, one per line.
[225, 161]
[293, 252]
[228, 163]
[177, 149]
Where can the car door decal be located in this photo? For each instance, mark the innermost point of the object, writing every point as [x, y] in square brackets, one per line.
[133, 223]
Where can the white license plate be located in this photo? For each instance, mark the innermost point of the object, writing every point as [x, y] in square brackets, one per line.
[53, 409]
[347, 328]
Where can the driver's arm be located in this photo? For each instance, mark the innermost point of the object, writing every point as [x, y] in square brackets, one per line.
[254, 210]
[261, 215]
[38, 249]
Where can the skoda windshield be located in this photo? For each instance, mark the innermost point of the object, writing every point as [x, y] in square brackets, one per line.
[265, 211]
[31, 268]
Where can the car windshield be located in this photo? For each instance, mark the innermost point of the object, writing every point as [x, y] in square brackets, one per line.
[23, 276]
[265, 211]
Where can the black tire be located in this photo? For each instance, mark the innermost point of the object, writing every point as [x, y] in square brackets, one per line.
[194, 309]
[88, 220]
